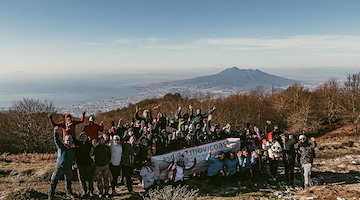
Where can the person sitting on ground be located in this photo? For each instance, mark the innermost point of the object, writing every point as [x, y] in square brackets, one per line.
[231, 163]
[68, 125]
[149, 175]
[305, 156]
[178, 169]
[216, 167]
[64, 163]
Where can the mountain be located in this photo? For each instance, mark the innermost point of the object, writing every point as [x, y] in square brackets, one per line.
[237, 79]
[231, 80]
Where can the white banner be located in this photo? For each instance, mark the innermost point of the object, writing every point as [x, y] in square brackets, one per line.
[198, 152]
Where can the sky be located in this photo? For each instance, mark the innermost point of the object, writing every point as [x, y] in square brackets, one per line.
[142, 36]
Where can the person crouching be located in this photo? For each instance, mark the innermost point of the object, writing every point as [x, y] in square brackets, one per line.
[215, 169]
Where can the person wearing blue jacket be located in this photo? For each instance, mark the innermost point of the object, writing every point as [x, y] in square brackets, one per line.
[245, 162]
[64, 163]
[215, 169]
[231, 163]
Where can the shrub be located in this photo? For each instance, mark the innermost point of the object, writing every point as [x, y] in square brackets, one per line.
[173, 193]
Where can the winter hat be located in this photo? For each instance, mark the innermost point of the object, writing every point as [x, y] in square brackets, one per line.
[67, 115]
[270, 135]
[191, 127]
[100, 137]
[82, 133]
[302, 137]
[68, 137]
[181, 159]
[116, 137]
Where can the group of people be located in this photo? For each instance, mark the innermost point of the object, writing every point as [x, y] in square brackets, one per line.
[104, 155]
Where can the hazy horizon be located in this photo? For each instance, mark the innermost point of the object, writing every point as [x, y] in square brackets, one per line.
[63, 90]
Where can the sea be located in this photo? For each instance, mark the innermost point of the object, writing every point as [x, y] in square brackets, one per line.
[65, 91]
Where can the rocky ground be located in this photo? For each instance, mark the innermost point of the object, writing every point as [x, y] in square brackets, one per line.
[336, 176]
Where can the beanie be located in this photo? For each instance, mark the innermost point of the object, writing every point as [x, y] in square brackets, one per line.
[302, 137]
[270, 135]
[68, 137]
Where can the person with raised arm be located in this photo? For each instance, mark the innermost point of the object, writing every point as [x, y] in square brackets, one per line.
[216, 167]
[65, 162]
[84, 164]
[92, 129]
[198, 118]
[70, 129]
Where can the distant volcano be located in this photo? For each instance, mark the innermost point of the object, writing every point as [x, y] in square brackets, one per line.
[240, 80]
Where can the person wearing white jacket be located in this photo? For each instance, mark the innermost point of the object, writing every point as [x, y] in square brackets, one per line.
[116, 152]
[274, 149]
[149, 175]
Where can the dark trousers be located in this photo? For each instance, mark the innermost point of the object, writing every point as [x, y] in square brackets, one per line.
[232, 178]
[128, 172]
[58, 173]
[85, 174]
[245, 175]
[115, 173]
[216, 179]
[274, 167]
[289, 170]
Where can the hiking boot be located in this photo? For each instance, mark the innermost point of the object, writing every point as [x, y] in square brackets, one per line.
[91, 194]
[70, 196]
[113, 193]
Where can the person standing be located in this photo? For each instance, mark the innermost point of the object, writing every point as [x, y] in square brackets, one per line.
[116, 153]
[130, 151]
[102, 159]
[305, 156]
[84, 164]
[68, 125]
[92, 129]
[274, 149]
[64, 163]
[288, 155]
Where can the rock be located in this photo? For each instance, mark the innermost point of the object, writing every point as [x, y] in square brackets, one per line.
[341, 198]
[279, 194]
[355, 162]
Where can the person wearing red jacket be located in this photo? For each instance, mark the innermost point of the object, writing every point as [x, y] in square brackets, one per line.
[68, 123]
[92, 129]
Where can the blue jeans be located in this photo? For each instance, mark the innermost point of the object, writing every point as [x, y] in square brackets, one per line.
[58, 173]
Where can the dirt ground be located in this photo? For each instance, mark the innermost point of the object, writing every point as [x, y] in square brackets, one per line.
[336, 176]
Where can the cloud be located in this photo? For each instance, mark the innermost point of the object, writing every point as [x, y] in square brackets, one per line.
[137, 41]
[345, 44]
[300, 42]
